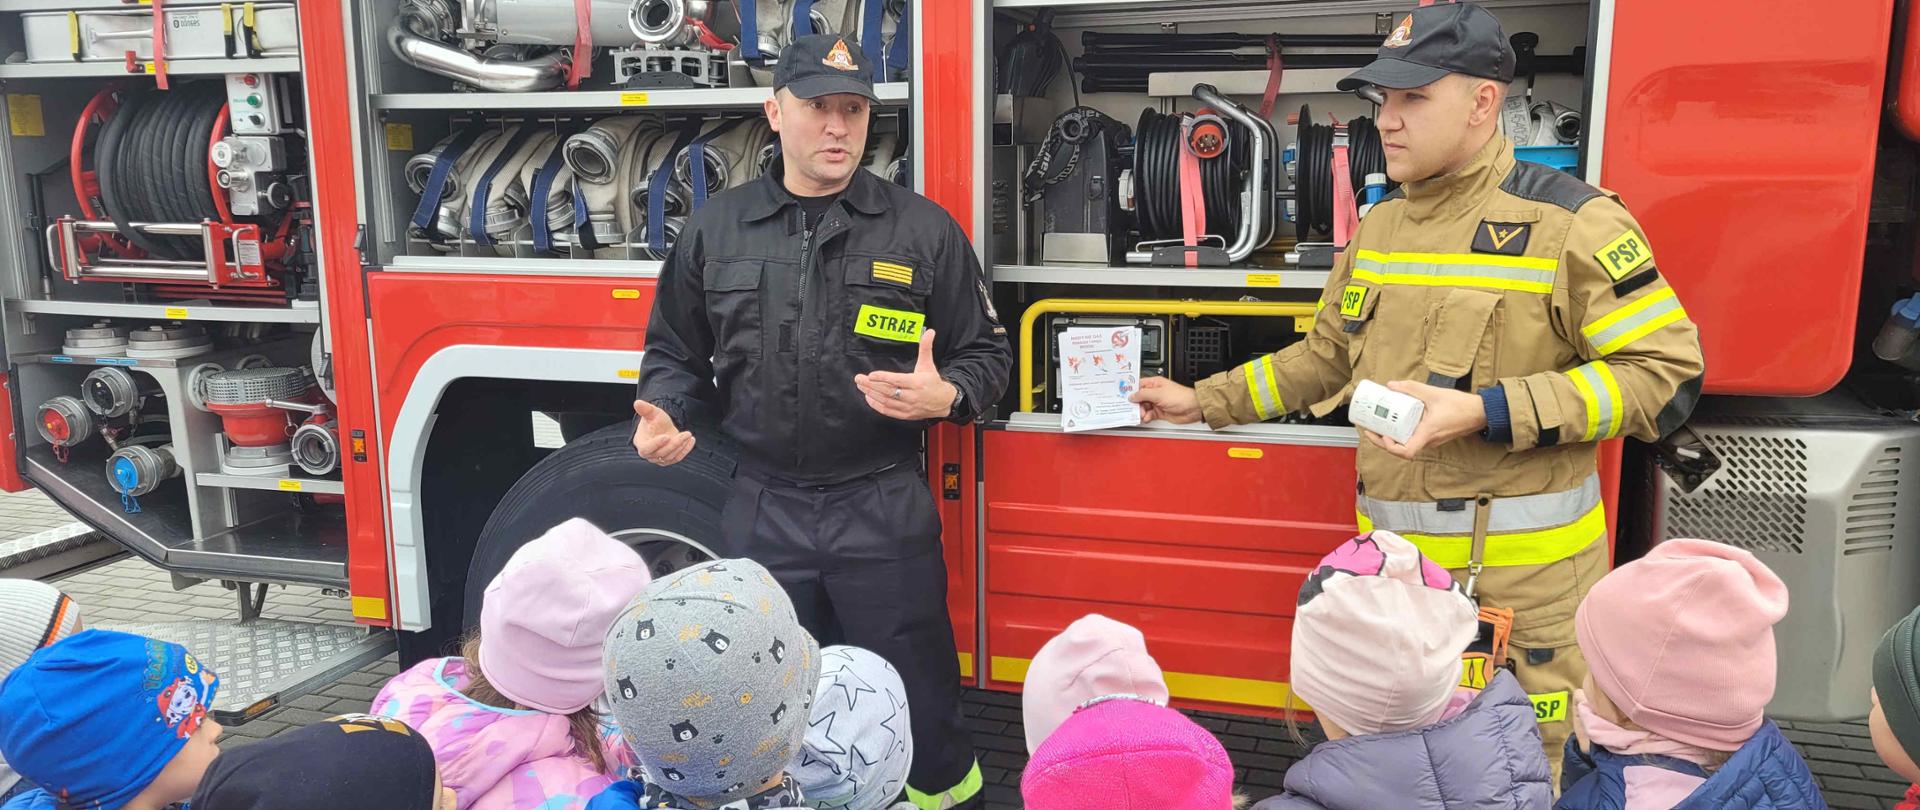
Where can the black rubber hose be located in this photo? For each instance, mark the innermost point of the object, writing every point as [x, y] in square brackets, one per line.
[116, 188]
[207, 115]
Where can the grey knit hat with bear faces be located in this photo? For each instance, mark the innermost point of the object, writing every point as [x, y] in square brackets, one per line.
[711, 679]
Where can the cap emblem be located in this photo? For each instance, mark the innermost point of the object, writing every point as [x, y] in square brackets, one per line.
[840, 59]
[1402, 34]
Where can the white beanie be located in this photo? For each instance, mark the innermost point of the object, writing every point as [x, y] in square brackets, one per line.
[1378, 635]
[32, 615]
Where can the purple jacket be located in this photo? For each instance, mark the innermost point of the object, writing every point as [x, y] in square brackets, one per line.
[1486, 758]
[497, 759]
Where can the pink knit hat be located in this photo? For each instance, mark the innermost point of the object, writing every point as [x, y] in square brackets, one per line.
[1681, 640]
[1122, 753]
[1093, 657]
[1378, 634]
[545, 618]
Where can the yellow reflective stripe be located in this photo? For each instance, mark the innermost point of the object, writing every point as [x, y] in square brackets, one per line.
[1516, 548]
[1600, 392]
[1480, 259]
[1188, 685]
[951, 797]
[1634, 321]
[1262, 388]
[1517, 273]
[1319, 304]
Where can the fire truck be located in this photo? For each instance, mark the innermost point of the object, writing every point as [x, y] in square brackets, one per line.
[301, 293]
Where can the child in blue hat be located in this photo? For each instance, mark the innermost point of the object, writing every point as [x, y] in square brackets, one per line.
[105, 720]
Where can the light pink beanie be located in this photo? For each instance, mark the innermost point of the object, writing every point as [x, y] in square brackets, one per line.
[544, 622]
[1378, 635]
[1681, 640]
[1094, 657]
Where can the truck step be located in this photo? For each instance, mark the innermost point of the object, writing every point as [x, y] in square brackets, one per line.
[55, 552]
[290, 547]
[267, 663]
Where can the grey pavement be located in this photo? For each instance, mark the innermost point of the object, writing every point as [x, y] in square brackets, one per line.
[129, 591]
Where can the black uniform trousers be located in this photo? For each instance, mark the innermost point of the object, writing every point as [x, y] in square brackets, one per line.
[862, 561]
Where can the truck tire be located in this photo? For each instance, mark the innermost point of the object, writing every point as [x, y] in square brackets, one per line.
[671, 515]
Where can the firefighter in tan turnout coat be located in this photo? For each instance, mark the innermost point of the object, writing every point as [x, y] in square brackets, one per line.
[1523, 307]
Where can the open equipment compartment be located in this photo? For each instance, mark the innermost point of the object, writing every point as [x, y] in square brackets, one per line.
[1085, 230]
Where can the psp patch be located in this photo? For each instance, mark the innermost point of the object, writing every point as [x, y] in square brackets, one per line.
[889, 324]
[1503, 238]
[1625, 254]
[1551, 707]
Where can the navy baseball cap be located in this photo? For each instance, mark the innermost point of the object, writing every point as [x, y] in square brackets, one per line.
[1433, 41]
[822, 65]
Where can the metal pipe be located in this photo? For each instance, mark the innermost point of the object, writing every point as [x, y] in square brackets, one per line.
[157, 228]
[528, 76]
[1101, 306]
[1101, 40]
[147, 263]
[145, 273]
[1256, 197]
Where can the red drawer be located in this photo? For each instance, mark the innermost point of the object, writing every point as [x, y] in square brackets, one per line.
[1199, 542]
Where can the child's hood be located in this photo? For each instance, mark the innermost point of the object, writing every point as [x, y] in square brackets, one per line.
[479, 747]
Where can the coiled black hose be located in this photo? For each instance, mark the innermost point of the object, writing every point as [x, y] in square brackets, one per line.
[152, 164]
[1156, 172]
[1313, 201]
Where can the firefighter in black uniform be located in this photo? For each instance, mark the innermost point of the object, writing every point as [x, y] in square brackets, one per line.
[825, 318]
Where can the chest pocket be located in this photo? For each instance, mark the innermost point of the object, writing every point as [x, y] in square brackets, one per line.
[1462, 339]
[734, 306]
[885, 306]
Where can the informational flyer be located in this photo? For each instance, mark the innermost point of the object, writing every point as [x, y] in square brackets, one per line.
[1099, 369]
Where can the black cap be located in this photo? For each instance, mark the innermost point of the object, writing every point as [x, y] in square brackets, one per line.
[824, 64]
[1433, 41]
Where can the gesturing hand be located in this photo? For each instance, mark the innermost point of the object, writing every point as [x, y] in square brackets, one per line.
[1449, 415]
[656, 437]
[921, 394]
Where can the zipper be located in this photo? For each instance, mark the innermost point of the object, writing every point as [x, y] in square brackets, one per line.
[800, 340]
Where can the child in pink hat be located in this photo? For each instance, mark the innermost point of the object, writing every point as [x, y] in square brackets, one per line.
[1377, 639]
[512, 720]
[1120, 751]
[1094, 657]
[1680, 656]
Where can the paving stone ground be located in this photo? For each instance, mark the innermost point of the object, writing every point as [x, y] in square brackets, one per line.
[130, 590]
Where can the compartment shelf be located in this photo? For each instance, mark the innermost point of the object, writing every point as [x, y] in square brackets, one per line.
[713, 99]
[270, 483]
[614, 268]
[182, 67]
[1249, 277]
[183, 311]
[1129, 12]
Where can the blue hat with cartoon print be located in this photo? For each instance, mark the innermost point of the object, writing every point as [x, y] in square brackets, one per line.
[94, 718]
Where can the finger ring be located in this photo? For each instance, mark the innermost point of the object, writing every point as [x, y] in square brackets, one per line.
[896, 392]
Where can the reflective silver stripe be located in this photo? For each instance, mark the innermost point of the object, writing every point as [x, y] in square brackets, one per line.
[1525, 279]
[1634, 321]
[1524, 513]
[1261, 387]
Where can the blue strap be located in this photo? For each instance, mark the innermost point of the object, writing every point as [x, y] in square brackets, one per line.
[437, 179]
[697, 161]
[477, 211]
[802, 18]
[657, 190]
[749, 29]
[582, 221]
[872, 39]
[897, 56]
[542, 188]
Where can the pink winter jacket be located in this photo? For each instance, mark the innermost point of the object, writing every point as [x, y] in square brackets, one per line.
[497, 759]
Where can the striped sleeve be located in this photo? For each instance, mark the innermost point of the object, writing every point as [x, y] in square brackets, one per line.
[1307, 373]
[1640, 367]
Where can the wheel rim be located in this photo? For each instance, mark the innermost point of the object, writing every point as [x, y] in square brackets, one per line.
[664, 551]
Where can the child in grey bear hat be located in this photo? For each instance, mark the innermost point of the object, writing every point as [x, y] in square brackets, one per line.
[711, 680]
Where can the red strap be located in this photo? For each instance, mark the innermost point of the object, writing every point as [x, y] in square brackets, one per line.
[1346, 217]
[160, 43]
[1273, 77]
[709, 38]
[582, 66]
[1193, 203]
